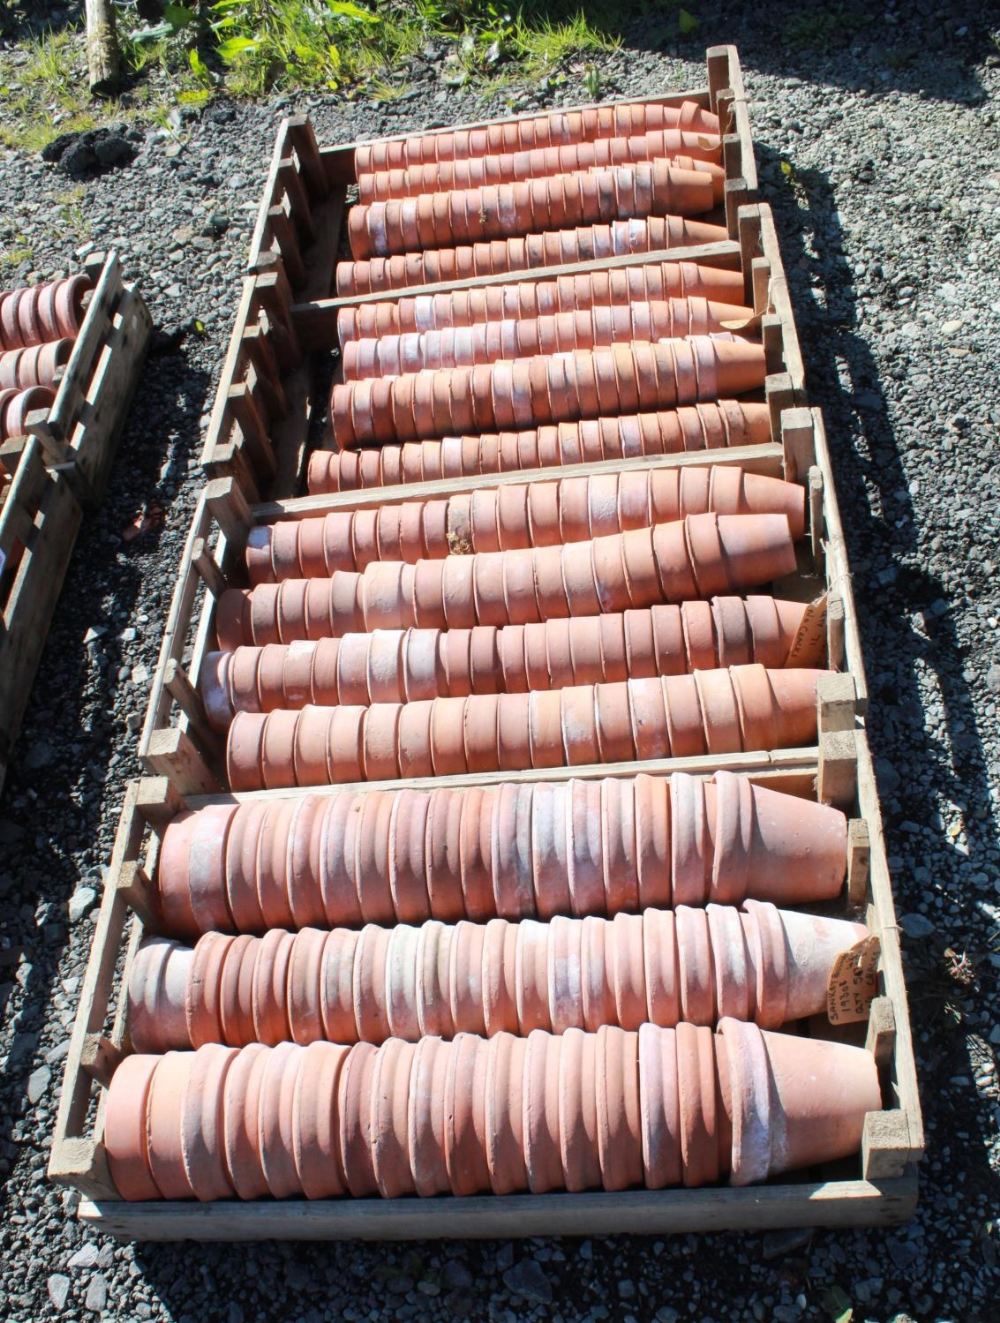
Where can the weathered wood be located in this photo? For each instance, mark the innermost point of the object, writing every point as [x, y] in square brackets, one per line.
[838, 768]
[858, 861]
[103, 56]
[836, 701]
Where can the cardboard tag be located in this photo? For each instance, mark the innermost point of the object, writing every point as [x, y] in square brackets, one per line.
[853, 982]
[809, 645]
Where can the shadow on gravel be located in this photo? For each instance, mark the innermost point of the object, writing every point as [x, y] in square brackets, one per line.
[76, 747]
[915, 661]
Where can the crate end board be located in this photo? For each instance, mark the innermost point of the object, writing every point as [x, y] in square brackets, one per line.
[843, 1204]
[82, 428]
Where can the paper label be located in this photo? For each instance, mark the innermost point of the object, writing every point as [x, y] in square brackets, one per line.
[809, 645]
[853, 982]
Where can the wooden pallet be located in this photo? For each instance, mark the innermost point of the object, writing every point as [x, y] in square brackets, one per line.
[878, 1187]
[268, 388]
[39, 519]
[80, 432]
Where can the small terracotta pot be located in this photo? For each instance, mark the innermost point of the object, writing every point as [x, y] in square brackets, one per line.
[552, 247]
[702, 555]
[478, 171]
[511, 518]
[37, 366]
[544, 390]
[34, 315]
[700, 427]
[612, 1109]
[524, 337]
[553, 130]
[673, 716]
[16, 405]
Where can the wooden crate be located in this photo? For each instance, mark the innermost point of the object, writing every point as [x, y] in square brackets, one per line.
[269, 386]
[877, 1187]
[39, 519]
[80, 432]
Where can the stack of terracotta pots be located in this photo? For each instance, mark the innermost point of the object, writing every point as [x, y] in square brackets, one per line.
[520, 979]
[37, 328]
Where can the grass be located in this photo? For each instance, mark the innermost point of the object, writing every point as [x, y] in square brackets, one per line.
[246, 48]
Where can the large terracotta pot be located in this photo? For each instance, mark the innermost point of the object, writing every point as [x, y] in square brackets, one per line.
[676, 145]
[698, 557]
[551, 247]
[709, 712]
[699, 427]
[513, 517]
[551, 130]
[523, 392]
[399, 666]
[573, 1111]
[617, 287]
[513, 851]
[38, 313]
[699, 965]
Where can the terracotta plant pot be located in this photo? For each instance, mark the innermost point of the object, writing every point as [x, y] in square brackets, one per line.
[574, 1111]
[513, 517]
[522, 392]
[551, 247]
[33, 315]
[37, 366]
[541, 298]
[698, 427]
[472, 215]
[675, 145]
[763, 964]
[709, 712]
[401, 666]
[698, 557]
[376, 856]
[489, 342]
[552, 130]
[16, 405]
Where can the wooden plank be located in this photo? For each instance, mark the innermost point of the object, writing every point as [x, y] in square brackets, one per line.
[765, 458]
[763, 766]
[95, 326]
[843, 1203]
[858, 861]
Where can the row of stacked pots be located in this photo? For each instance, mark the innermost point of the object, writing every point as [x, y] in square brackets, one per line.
[38, 325]
[395, 989]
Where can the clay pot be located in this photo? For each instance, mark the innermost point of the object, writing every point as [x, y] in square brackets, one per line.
[440, 176]
[700, 556]
[517, 135]
[442, 219]
[611, 1110]
[699, 427]
[542, 298]
[512, 393]
[512, 517]
[694, 841]
[669, 717]
[16, 405]
[516, 337]
[762, 964]
[37, 366]
[390, 666]
[551, 247]
[52, 311]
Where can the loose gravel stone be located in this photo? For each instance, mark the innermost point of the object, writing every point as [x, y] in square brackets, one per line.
[877, 136]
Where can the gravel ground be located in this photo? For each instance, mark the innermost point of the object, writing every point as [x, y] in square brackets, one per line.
[877, 136]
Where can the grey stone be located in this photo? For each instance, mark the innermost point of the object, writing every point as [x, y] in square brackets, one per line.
[57, 1286]
[38, 1084]
[916, 926]
[97, 1294]
[777, 1243]
[85, 1257]
[527, 1279]
[81, 902]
